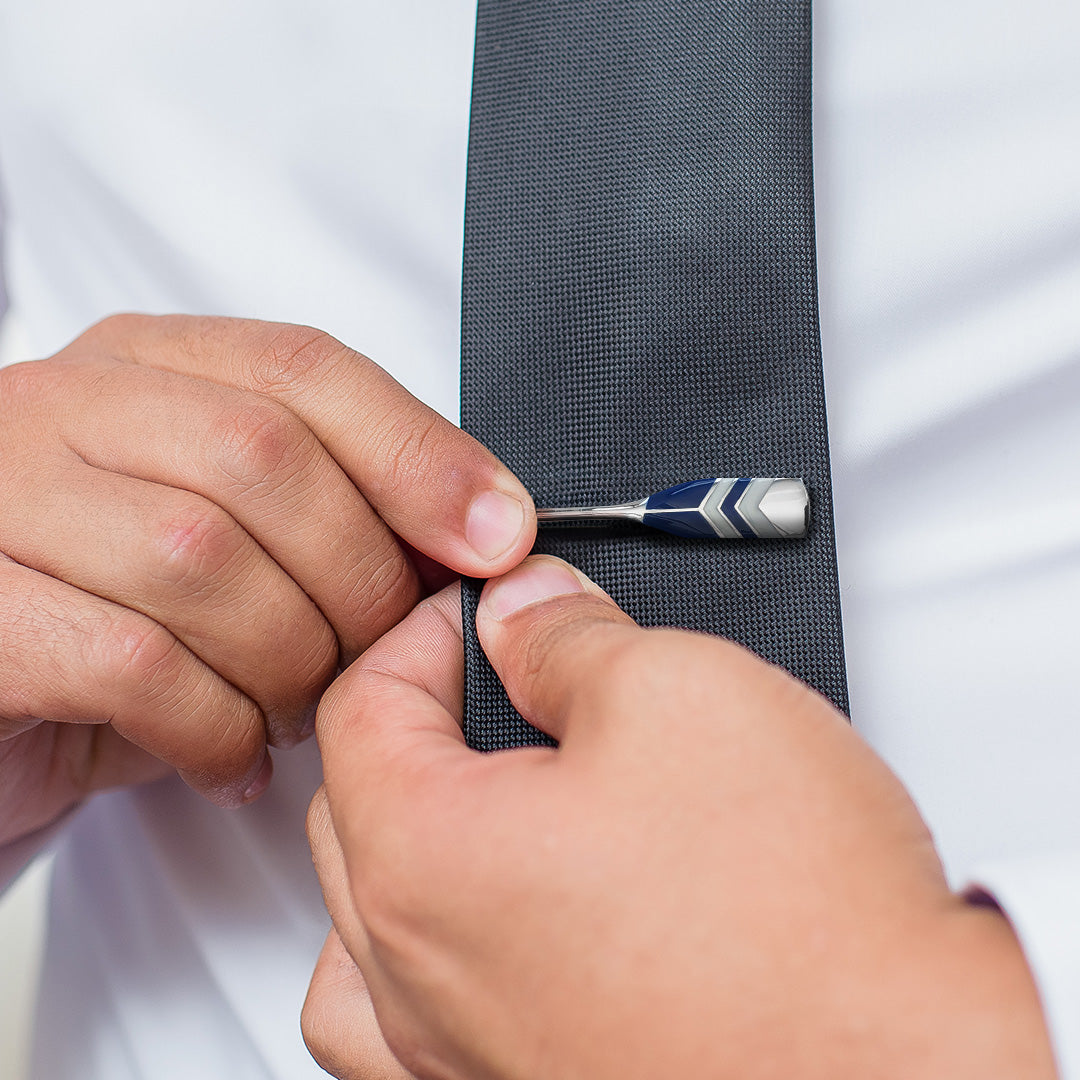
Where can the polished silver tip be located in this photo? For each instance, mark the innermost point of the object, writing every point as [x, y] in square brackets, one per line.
[787, 505]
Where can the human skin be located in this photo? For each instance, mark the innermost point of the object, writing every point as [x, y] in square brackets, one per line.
[695, 883]
[201, 519]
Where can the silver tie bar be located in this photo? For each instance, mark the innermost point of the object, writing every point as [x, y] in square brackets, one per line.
[743, 508]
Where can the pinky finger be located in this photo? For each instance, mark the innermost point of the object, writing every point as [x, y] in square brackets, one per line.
[73, 657]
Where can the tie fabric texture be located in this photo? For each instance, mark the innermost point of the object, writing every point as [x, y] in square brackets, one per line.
[639, 307]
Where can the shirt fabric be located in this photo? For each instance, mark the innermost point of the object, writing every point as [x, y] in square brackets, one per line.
[306, 163]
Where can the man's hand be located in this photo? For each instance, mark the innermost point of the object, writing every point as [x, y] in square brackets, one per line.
[199, 521]
[713, 876]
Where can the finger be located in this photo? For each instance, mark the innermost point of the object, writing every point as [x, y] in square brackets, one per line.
[436, 486]
[424, 651]
[339, 1022]
[393, 752]
[257, 460]
[50, 768]
[184, 562]
[433, 575]
[73, 657]
[333, 876]
[549, 632]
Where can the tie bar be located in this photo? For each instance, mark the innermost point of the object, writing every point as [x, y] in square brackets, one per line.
[747, 508]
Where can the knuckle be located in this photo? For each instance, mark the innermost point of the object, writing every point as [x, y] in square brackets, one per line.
[194, 545]
[132, 650]
[261, 438]
[117, 322]
[21, 383]
[121, 325]
[294, 357]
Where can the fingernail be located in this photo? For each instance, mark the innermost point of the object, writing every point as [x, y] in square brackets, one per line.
[261, 781]
[529, 584]
[493, 524]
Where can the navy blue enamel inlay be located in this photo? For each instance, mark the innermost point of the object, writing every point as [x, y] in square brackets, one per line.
[687, 523]
[733, 515]
[687, 496]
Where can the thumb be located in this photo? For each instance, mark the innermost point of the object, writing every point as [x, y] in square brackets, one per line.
[550, 633]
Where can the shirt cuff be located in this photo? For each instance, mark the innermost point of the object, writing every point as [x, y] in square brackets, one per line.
[1040, 896]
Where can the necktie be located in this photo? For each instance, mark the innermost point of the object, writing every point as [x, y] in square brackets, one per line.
[639, 306]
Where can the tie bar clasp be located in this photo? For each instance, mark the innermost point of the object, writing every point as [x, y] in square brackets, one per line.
[727, 508]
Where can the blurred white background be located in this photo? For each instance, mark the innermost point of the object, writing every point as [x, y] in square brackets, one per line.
[22, 919]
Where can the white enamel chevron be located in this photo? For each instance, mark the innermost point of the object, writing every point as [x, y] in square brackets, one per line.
[748, 506]
[710, 508]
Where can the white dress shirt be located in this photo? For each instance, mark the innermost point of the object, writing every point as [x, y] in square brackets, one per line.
[305, 163]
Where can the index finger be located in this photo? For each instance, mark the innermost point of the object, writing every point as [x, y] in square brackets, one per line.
[389, 728]
[433, 484]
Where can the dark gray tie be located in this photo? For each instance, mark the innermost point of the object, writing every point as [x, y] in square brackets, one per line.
[639, 305]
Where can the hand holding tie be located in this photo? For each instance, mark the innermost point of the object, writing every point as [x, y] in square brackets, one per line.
[199, 520]
[711, 876]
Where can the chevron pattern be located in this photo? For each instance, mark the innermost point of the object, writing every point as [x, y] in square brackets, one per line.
[743, 508]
